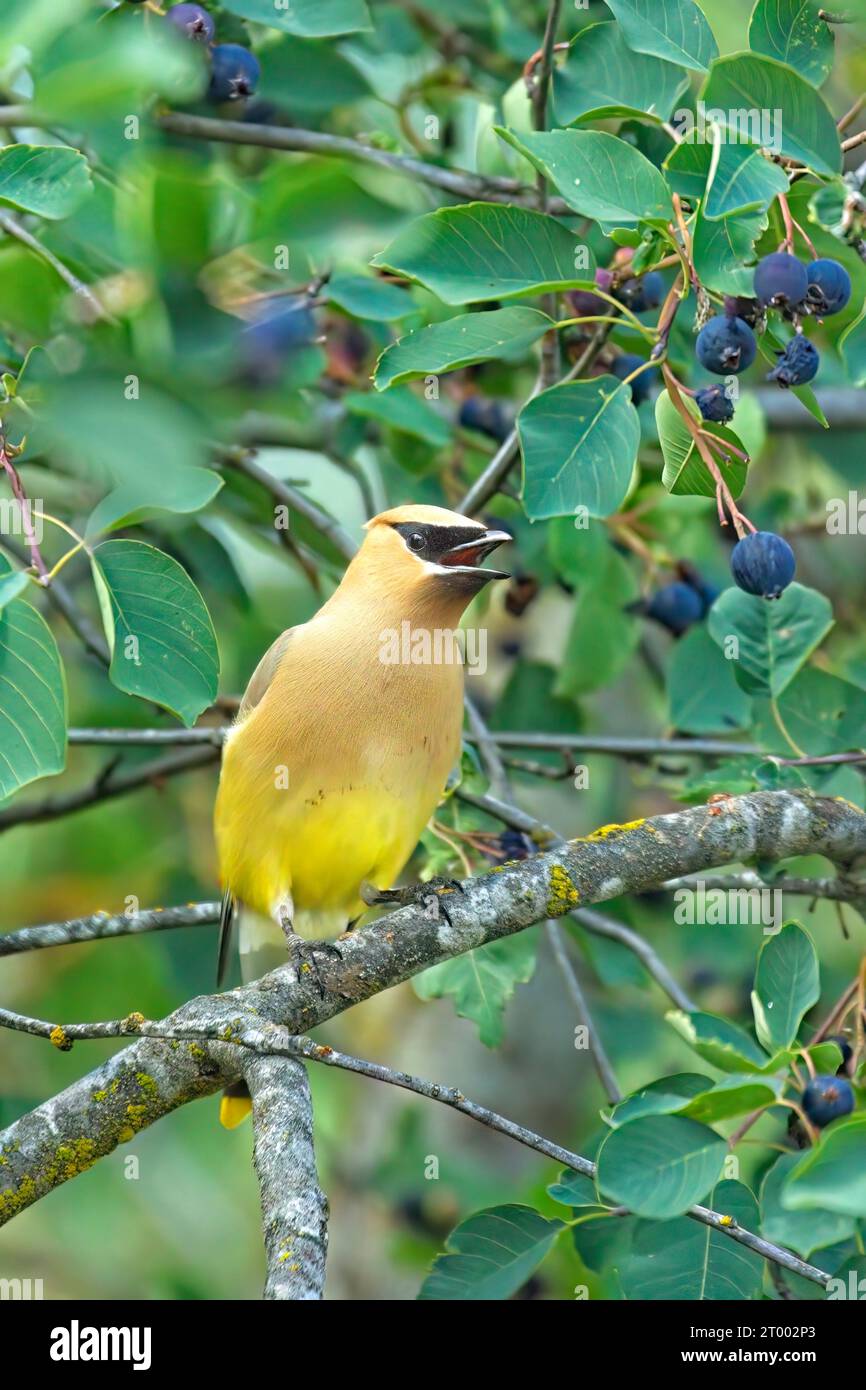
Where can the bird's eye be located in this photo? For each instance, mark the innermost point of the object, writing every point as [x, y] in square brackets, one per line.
[416, 541]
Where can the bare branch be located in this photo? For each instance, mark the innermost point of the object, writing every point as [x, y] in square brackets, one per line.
[100, 926]
[294, 1208]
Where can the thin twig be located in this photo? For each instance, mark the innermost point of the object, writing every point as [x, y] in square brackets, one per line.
[94, 310]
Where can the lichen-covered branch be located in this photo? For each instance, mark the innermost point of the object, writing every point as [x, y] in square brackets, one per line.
[294, 1207]
[152, 1077]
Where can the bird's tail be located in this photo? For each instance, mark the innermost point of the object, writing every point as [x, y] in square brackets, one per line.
[262, 948]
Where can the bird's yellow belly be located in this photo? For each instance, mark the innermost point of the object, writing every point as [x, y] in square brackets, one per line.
[316, 849]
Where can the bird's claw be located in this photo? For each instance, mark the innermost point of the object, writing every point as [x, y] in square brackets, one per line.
[303, 956]
[427, 896]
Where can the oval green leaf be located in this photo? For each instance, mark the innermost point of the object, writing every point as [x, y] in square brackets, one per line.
[660, 1165]
[603, 77]
[786, 986]
[791, 31]
[309, 19]
[775, 638]
[802, 125]
[32, 699]
[491, 1255]
[484, 251]
[676, 30]
[579, 443]
[443, 347]
[51, 180]
[684, 1261]
[163, 646]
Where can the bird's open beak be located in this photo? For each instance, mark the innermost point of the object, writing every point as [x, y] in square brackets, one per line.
[470, 554]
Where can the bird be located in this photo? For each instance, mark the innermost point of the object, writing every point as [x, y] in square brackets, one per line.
[343, 743]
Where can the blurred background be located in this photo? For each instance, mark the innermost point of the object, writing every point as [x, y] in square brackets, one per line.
[183, 239]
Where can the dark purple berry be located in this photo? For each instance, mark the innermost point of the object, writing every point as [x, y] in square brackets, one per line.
[268, 343]
[726, 346]
[829, 288]
[780, 281]
[763, 564]
[715, 404]
[628, 362]
[827, 1098]
[641, 293]
[192, 21]
[675, 606]
[234, 73]
[797, 364]
[485, 416]
[585, 303]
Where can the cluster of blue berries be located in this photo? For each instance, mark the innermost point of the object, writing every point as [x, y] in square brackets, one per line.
[234, 72]
[726, 345]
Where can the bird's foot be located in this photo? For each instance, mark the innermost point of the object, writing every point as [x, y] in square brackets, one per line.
[303, 954]
[429, 896]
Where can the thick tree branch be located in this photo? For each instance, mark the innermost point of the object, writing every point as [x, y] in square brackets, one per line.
[149, 1079]
[294, 1208]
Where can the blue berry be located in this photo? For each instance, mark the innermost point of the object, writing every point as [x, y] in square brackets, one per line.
[641, 292]
[763, 564]
[726, 345]
[192, 21]
[715, 404]
[628, 362]
[485, 416]
[829, 288]
[234, 74]
[780, 281]
[675, 606]
[827, 1098]
[268, 343]
[585, 303]
[739, 307]
[797, 364]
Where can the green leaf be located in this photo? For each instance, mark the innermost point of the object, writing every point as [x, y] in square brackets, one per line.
[491, 1255]
[660, 1165]
[51, 180]
[663, 1097]
[791, 31]
[579, 443]
[365, 297]
[685, 472]
[724, 251]
[682, 1260]
[309, 19]
[703, 695]
[775, 636]
[179, 489]
[486, 251]
[803, 1231]
[743, 179]
[733, 1095]
[676, 30]
[574, 1190]
[12, 585]
[402, 410]
[32, 699]
[457, 342]
[832, 1175]
[786, 986]
[805, 130]
[820, 712]
[603, 77]
[481, 982]
[597, 174]
[163, 646]
[718, 1041]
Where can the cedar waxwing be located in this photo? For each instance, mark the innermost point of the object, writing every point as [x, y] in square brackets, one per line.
[344, 741]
